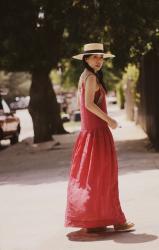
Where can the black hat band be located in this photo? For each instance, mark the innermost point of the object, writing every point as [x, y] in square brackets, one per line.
[93, 51]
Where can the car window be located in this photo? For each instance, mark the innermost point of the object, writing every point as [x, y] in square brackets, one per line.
[6, 108]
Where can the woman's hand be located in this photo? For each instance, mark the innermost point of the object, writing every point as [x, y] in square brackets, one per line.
[112, 123]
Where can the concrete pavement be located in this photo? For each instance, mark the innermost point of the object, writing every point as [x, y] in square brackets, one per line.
[33, 194]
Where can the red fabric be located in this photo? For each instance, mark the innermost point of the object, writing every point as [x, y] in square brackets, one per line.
[92, 193]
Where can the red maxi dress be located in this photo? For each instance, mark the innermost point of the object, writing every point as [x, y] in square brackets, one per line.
[92, 192]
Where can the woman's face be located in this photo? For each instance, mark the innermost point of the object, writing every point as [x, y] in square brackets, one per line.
[95, 61]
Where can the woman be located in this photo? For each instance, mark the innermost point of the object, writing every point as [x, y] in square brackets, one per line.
[92, 194]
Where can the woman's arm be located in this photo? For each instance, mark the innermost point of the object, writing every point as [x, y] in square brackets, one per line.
[90, 89]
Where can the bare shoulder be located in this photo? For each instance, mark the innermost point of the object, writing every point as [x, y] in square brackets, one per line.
[86, 73]
[89, 78]
[83, 77]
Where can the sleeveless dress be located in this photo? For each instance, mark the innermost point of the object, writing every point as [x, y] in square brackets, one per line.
[92, 192]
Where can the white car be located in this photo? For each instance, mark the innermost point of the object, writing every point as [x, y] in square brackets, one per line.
[9, 123]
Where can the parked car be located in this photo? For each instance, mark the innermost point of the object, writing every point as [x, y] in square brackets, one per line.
[111, 97]
[65, 117]
[76, 116]
[9, 123]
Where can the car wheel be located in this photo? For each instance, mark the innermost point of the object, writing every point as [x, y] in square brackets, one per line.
[15, 138]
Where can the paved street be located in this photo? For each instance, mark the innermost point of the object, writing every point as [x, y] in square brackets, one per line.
[33, 186]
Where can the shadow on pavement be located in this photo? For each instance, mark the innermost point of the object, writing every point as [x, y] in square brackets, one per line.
[119, 237]
[23, 164]
[136, 156]
[2, 147]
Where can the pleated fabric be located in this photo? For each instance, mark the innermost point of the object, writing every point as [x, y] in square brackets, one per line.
[92, 192]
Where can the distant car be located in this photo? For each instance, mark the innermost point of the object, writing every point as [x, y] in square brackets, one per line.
[20, 103]
[76, 116]
[9, 123]
[111, 97]
[65, 117]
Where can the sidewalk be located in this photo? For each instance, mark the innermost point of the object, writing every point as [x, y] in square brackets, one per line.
[33, 194]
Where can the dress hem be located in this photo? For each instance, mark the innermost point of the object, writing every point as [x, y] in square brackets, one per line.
[99, 223]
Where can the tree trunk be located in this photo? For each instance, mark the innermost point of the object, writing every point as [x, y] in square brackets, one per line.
[129, 101]
[44, 109]
[149, 103]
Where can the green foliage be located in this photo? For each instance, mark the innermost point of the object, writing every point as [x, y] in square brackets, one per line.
[111, 77]
[71, 70]
[131, 25]
[35, 35]
[55, 76]
[120, 95]
[18, 84]
[132, 74]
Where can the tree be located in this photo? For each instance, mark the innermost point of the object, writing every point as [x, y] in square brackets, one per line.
[35, 36]
[129, 28]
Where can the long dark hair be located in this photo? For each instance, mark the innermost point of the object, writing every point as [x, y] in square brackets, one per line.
[98, 74]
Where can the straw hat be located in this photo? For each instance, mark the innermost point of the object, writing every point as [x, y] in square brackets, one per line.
[93, 48]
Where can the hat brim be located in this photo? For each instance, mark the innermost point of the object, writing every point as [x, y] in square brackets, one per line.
[105, 55]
